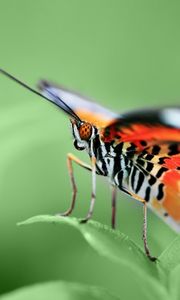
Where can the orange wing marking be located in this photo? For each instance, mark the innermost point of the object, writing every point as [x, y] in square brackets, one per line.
[139, 132]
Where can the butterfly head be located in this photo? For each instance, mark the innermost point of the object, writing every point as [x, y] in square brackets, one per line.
[83, 133]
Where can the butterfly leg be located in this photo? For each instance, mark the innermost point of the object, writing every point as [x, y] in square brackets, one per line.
[71, 158]
[146, 248]
[93, 193]
[113, 217]
[144, 237]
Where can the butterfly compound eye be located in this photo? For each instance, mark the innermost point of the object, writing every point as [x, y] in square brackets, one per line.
[85, 131]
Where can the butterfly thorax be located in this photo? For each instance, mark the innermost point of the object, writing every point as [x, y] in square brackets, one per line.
[112, 160]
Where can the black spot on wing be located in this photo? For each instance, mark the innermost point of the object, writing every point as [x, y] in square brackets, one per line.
[139, 182]
[149, 166]
[133, 177]
[161, 171]
[160, 191]
[152, 180]
[162, 160]
[149, 157]
[156, 149]
[174, 149]
[143, 143]
[147, 194]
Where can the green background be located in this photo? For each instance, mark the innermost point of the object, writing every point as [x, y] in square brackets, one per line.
[126, 54]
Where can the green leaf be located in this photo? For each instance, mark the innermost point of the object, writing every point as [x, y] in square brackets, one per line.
[170, 257]
[170, 261]
[59, 290]
[136, 272]
[174, 283]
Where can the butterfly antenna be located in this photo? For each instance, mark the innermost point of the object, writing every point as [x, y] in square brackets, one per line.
[64, 106]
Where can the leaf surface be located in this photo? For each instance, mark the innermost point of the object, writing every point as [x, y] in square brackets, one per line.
[119, 249]
[59, 290]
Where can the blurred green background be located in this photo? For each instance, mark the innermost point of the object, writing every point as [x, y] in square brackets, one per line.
[126, 54]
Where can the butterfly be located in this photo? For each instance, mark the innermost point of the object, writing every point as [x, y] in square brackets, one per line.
[138, 151]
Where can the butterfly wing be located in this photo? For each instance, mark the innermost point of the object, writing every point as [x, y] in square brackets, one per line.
[147, 125]
[85, 109]
[155, 162]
